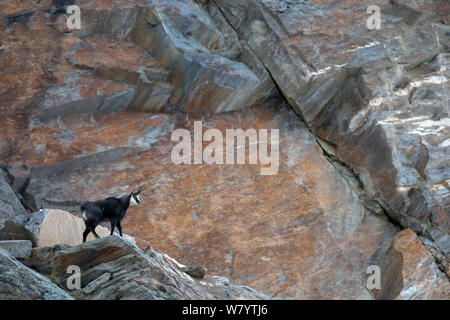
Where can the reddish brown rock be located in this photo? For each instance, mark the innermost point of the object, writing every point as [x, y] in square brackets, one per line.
[38, 82]
[58, 141]
[123, 61]
[409, 271]
[422, 279]
[267, 232]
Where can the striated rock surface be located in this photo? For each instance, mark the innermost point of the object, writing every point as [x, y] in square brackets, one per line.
[18, 282]
[10, 205]
[101, 69]
[12, 213]
[202, 57]
[113, 268]
[409, 271]
[379, 96]
[422, 279]
[89, 113]
[230, 219]
[195, 272]
[17, 248]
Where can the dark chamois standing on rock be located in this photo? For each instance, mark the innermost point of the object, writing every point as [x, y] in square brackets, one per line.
[112, 209]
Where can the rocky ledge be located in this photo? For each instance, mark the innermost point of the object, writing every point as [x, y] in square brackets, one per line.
[112, 268]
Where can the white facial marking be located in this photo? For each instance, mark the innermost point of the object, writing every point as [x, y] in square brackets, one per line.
[133, 201]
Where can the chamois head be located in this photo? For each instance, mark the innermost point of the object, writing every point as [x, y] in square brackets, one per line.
[135, 199]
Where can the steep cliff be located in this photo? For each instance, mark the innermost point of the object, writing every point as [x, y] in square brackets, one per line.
[363, 134]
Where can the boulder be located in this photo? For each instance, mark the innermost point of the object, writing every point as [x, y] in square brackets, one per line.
[52, 227]
[367, 140]
[113, 268]
[195, 272]
[18, 282]
[123, 61]
[17, 248]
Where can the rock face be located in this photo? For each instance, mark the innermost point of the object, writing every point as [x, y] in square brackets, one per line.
[18, 282]
[104, 68]
[10, 205]
[201, 53]
[408, 271]
[379, 96]
[195, 272]
[89, 114]
[422, 278]
[113, 268]
[218, 216]
[12, 213]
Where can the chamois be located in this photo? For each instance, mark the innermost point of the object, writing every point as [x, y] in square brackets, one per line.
[112, 209]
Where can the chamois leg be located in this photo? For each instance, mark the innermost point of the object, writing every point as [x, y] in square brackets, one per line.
[95, 233]
[85, 233]
[92, 225]
[113, 225]
[119, 226]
